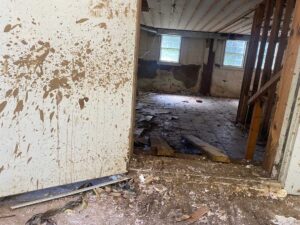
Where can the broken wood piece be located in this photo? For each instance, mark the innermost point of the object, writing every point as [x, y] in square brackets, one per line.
[162, 148]
[68, 193]
[264, 89]
[198, 214]
[7, 216]
[145, 118]
[213, 153]
[138, 132]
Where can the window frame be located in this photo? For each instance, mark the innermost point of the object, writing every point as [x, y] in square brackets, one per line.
[244, 57]
[161, 48]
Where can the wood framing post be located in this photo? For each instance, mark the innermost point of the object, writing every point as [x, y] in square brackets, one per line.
[208, 70]
[278, 62]
[266, 73]
[268, 14]
[254, 130]
[250, 62]
[269, 8]
[283, 90]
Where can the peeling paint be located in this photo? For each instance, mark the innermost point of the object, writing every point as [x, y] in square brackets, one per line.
[82, 20]
[19, 107]
[10, 27]
[2, 106]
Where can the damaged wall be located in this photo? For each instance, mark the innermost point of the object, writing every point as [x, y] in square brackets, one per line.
[154, 76]
[66, 91]
[160, 77]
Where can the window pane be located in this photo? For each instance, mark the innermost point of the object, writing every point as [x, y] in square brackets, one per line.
[169, 55]
[170, 41]
[232, 59]
[235, 53]
[170, 48]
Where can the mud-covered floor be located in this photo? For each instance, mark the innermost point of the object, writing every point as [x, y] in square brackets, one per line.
[210, 119]
[166, 190]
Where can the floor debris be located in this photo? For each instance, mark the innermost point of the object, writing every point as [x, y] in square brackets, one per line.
[199, 213]
[213, 121]
[78, 191]
[163, 190]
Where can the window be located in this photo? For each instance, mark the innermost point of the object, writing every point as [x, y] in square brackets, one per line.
[265, 54]
[170, 48]
[235, 53]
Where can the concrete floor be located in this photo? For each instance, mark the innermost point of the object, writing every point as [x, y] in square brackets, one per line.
[211, 119]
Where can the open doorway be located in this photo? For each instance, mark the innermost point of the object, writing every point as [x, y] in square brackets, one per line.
[199, 77]
[190, 75]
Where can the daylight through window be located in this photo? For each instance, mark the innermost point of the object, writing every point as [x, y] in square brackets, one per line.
[170, 48]
[235, 53]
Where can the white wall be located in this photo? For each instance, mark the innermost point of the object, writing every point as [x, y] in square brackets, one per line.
[226, 81]
[66, 91]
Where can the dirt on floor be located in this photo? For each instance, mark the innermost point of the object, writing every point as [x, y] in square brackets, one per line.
[168, 191]
[210, 119]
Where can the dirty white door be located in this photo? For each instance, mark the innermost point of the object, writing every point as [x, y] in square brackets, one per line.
[66, 91]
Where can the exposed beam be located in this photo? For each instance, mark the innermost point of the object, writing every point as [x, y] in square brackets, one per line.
[235, 20]
[196, 34]
[268, 14]
[264, 89]
[254, 130]
[278, 62]
[270, 56]
[250, 62]
[283, 91]
[208, 70]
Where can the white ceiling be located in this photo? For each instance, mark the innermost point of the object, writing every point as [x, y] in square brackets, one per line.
[223, 16]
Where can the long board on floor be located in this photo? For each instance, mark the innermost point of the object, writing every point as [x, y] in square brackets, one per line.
[161, 147]
[212, 152]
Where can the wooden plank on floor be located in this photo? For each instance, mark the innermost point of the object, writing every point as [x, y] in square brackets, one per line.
[162, 148]
[213, 153]
[254, 130]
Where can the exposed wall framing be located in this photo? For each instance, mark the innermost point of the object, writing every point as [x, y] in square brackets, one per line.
[264, 80]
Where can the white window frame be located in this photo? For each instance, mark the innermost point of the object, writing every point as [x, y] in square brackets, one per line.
[161, 48]
[244, 58]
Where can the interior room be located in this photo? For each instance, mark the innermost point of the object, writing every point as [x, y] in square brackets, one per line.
[150, 112]
[192, 59]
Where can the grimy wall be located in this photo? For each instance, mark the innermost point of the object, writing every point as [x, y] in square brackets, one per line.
[186, 77]
[66, 90]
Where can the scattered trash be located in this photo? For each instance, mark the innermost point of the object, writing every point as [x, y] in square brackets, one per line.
[282, 220]
[7, 216]
[46, 217]
[198, 214]
[160, 188]
[183, 218]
